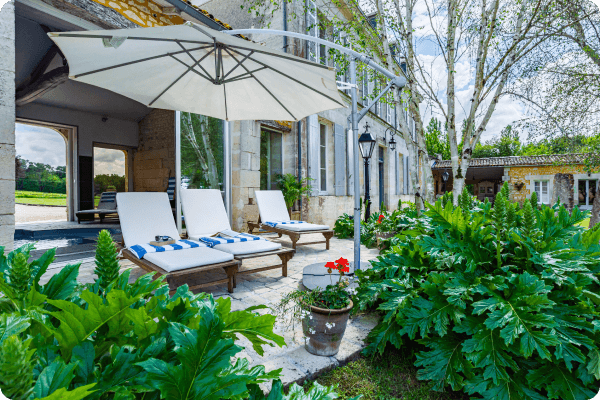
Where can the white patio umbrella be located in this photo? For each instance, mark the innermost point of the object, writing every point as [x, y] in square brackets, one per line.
[196, 69]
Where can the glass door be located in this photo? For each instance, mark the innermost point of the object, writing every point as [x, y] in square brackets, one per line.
[587, 191]
[271, 159]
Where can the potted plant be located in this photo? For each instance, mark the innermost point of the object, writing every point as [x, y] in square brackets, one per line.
[293, 189]
[323, 313]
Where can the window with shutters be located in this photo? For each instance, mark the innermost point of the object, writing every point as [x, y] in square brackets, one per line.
[323, 158]
[541, 189]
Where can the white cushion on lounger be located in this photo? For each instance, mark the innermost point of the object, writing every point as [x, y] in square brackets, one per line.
[204, 212]
[187, 258]
[240, 248]
[205, 215]
[271, 205]
[144, 215]
[302, 227]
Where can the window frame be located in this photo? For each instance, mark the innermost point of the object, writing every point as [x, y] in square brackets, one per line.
[325, 126]
[541, 183]
[270, 177]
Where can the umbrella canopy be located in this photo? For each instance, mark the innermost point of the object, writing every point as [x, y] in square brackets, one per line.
[196, 69]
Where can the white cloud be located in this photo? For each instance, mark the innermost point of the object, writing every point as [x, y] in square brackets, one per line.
[109, 161]
[39, 144]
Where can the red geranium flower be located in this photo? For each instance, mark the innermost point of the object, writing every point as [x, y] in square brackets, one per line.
[342, 261]
[381, 217]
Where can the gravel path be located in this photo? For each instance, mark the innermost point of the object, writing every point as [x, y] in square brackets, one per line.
[26, 213]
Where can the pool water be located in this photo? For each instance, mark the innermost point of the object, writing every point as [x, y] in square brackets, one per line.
[60, 238]
[45, 244]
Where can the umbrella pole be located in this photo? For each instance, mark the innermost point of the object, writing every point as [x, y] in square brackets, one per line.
[178, 171]
[356, 161]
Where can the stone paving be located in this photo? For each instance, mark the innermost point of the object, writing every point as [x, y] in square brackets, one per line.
[268, 288]
[29, 213]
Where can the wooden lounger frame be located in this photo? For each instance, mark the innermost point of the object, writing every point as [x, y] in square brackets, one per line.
[284, 254]
[231, 269]
[294, 235]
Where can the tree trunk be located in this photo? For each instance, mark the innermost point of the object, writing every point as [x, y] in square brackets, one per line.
[595, 219]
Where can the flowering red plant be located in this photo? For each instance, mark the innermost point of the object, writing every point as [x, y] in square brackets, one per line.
[381, 217]
[341, 265]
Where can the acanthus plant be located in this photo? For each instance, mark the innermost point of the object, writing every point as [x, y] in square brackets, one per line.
[117, 340]
[501, 302]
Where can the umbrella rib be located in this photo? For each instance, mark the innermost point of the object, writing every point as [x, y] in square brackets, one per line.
[208, 78]
[135, 62]
[194, 59]
[294, 79]
[238, 64]
[71, 35]
[300, 60]
[263, 86]
[244, 76]
[174, 82]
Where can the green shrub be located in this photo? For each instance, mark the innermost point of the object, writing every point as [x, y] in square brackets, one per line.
[505, 300]
[107, 263]
[344, 226]
[64, 341]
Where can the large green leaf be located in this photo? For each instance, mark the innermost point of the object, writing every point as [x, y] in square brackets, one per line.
[559, 383]
[204, 370]
[77, 324]
[55, 376]
[316, 392]
[12, 324]
[61, 285]
[253, 326]
[75, 394]
[444, 363]
[40, 266]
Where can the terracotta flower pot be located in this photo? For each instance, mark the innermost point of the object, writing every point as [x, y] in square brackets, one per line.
[324, 329]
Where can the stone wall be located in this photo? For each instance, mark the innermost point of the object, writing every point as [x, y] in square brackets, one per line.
[526, 174]
[7, 125]
[154, 160]
[563, 190]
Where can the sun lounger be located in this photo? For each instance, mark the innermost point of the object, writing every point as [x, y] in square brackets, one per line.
[146, 215]
[106, 206]
[205, 217]
[275, 218]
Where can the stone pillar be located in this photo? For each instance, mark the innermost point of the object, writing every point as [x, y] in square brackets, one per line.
[245, 172]
[7, 125]
[563, 190]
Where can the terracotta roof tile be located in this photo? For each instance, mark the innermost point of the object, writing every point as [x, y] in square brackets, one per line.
[558, 159]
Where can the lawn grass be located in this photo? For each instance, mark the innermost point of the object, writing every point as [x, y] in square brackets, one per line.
[45, 199]
[585, 223]
[389, 377]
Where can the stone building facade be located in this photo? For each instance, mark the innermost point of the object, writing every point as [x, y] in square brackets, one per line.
[93, 116]
[302, 143]
[550, 176]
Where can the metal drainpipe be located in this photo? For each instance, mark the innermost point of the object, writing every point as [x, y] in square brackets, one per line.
[285, 27]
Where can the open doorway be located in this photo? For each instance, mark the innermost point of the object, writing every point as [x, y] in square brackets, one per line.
[43, 171]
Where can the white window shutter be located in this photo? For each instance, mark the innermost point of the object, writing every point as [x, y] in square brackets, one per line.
[398, 191]
[339, 144]
[313, 152]
[406, 172]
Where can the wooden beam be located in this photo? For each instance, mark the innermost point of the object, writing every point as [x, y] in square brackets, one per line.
[42, 85]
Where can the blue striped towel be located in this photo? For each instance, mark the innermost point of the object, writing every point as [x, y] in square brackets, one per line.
[140, 250]
[241, 237]
[273, 224]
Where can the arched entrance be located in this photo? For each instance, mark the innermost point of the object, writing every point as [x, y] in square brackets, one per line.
[44, 171]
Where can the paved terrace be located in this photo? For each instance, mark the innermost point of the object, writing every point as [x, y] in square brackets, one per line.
[267, 288]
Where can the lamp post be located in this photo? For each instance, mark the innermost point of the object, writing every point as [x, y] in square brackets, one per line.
[366, 143]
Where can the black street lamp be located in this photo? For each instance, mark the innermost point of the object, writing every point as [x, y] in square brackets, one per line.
[366, 143]
[392, 142]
